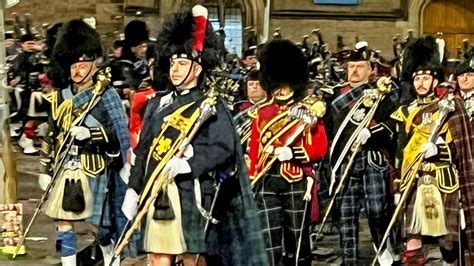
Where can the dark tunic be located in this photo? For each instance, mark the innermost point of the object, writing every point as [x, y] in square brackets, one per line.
[236, 239]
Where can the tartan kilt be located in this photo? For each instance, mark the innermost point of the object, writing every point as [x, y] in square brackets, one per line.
[96, 190]
[165, 236]
[192, 221]
[282, 215]
[451, 213]
[54, 205]
[98, 186]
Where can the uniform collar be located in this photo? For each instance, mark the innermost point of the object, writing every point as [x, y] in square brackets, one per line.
[427, 99]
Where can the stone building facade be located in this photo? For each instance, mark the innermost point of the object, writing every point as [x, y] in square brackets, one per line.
[375, 21]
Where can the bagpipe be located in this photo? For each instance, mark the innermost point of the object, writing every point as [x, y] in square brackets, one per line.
[103, 80]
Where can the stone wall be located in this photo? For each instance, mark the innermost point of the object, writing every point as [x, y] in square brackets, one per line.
[377, 33]
[111, 15]
[52, 11]
[375, 21]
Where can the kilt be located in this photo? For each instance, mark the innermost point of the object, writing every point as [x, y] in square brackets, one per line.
[54, 204]
[95, 190]
[165, 236]
[366, 184]
[192, 221]
[99, 189]
[451, 213]
[282, 210]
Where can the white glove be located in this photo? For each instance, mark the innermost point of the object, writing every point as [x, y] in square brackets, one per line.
[429, 149]
[176, 166]
[396, 198]
[80, 132]
[125, 172]
[188, 152]
[130, 204]
[188, 149]
[283, 153]
[364, 135]
[43, 181]
[309, 187]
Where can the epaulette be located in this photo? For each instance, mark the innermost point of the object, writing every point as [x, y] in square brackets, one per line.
[401, 114]
[311, 99]
[253, 112]
[50, 96]
[315, 104]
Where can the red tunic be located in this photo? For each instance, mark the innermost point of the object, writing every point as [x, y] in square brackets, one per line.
[307, 148]
[137, 103]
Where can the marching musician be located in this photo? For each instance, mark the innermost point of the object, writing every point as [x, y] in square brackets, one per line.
[249, 58]
[255, 92]
[86, 145]
[284, 190]
[464, 73]
[23, 77]
[365, 182]
[139, 99]
[434, 151]
[256, 96]
[187, 50]
[131, 67]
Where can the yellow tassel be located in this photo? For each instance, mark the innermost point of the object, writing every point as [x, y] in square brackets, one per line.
[428, 215]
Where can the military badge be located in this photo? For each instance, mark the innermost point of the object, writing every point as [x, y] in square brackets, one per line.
[358, 115]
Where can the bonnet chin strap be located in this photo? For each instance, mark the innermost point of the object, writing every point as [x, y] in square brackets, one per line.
[86, 76]
[200, 14]
[186, 77]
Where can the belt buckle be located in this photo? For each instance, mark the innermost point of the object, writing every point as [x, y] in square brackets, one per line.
[74, 150]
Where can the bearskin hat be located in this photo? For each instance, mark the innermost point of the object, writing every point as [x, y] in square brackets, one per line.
[177, 37]
[421, 56]
[136, 32]
[76, 42]
[282, 63]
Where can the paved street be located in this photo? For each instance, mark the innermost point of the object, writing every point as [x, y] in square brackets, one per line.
[43, 252]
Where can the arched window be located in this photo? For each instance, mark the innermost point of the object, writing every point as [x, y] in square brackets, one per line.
[233, 27]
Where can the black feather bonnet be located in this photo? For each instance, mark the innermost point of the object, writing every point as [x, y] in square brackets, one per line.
[282, 63]
[135, 33]
[421, 56]
[76, 41]
[176, 37]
